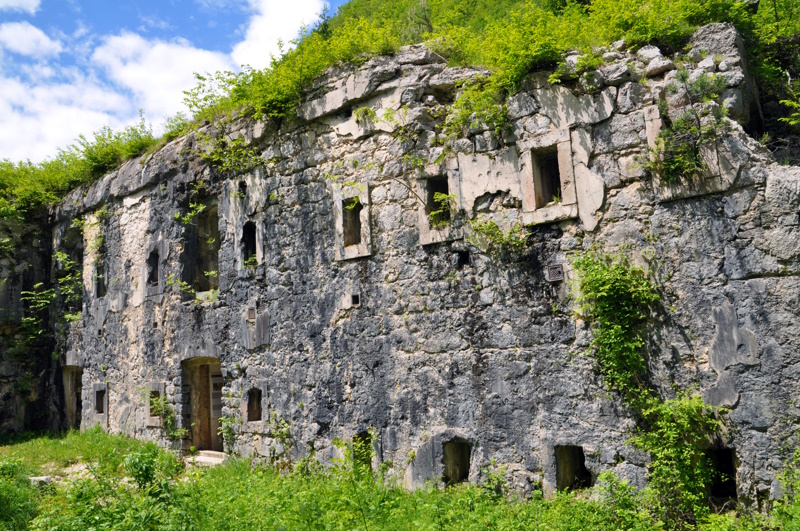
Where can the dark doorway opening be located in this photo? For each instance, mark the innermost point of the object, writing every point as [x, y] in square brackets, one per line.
[571, 471]
[72, 377]
[456, 462]
[204, 377]
[723, 480]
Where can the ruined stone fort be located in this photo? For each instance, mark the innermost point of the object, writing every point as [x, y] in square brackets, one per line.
[314, 291]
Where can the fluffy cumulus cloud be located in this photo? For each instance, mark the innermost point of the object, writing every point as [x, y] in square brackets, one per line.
[26, 6]
[54, 89]
[155, 72]
[26, 39]
[274, 20]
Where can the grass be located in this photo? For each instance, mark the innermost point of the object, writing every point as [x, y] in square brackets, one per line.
[136, 485]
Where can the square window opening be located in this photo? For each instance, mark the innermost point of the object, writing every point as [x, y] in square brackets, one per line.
[462, 259]
[99, 401]
[456, 462]
[153, 405]
[437, 202]
[571, 471]
[722, 463]
[152, 268]
[351, 218]
[548, 178]
[254, 405]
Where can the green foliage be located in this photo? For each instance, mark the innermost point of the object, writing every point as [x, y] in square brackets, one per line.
[793, 104]
[26, 187]
[490, 238]
[675, 434]
[251, 262]
[677, 156]
[162, 408]
[229, 156]
[18, 501]
[616, 297]
[441, 215]
[365, 116]
[481, 104]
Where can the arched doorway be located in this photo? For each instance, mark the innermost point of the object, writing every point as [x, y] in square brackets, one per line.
[204, 377]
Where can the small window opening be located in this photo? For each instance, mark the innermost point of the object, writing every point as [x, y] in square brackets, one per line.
[254, 405]
[99, 401]
[249, 242]
[355, 299]
[251, 314]
[571, 472]
[548, 179]
[351, 217]
[152, 404]
[242, 189]
[723, 481]
[456, 462]
[152, 268]
[100, 279]
[437, 203]
[362, 449]
[462, 259]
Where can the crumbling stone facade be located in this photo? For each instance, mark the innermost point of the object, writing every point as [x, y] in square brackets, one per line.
[340, 316]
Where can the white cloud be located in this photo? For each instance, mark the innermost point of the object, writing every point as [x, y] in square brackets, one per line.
[48, 105]
[274, 20]
[25, 39]
[28, 6]
[156, 72]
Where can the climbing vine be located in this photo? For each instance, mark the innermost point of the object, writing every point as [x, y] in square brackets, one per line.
[616, 297]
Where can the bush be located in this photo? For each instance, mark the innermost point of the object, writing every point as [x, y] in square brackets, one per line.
[18, 500]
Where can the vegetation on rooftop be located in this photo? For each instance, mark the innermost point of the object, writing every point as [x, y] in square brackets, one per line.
[509, 37]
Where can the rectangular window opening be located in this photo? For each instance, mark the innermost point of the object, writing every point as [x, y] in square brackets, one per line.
[100, 279]
[456, 462]
[99, 401]
[249, 243]
[206, 274]
[152, 268]
[254, 405]
[571, 471]
[723, 480]
[362, 449]
[153, 407]
[351, 218]
[548, 178]
[355, 299]
[437, 202]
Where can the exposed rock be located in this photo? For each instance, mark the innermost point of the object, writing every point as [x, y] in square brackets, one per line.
[617, 74]
[657, 66]
[646, 54]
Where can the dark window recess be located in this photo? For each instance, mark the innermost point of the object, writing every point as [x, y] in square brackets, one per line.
[200, 256]
[548, 178]
[253, 405]
[571, 472]
[155, 396]
[351, 218]
[355, 299]
[99, 402]
[440, 209]
[152, 268]
[362, 449]
[723, 480]
[242, 189]
[72, 244]
[456, 462]
[462, 259]
[100, 279]
[248, 241]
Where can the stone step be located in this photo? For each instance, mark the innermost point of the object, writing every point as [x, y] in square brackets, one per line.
[205, 458]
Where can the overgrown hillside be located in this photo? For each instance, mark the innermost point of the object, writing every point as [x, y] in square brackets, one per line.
[509, 37]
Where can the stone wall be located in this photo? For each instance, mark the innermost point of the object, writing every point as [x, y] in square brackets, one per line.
[407, 328]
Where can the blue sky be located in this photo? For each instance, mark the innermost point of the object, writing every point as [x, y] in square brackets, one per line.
[70, 67]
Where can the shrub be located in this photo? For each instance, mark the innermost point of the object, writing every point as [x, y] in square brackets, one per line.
[18, 500]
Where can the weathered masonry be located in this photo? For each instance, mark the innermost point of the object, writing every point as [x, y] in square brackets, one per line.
[318, 289]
